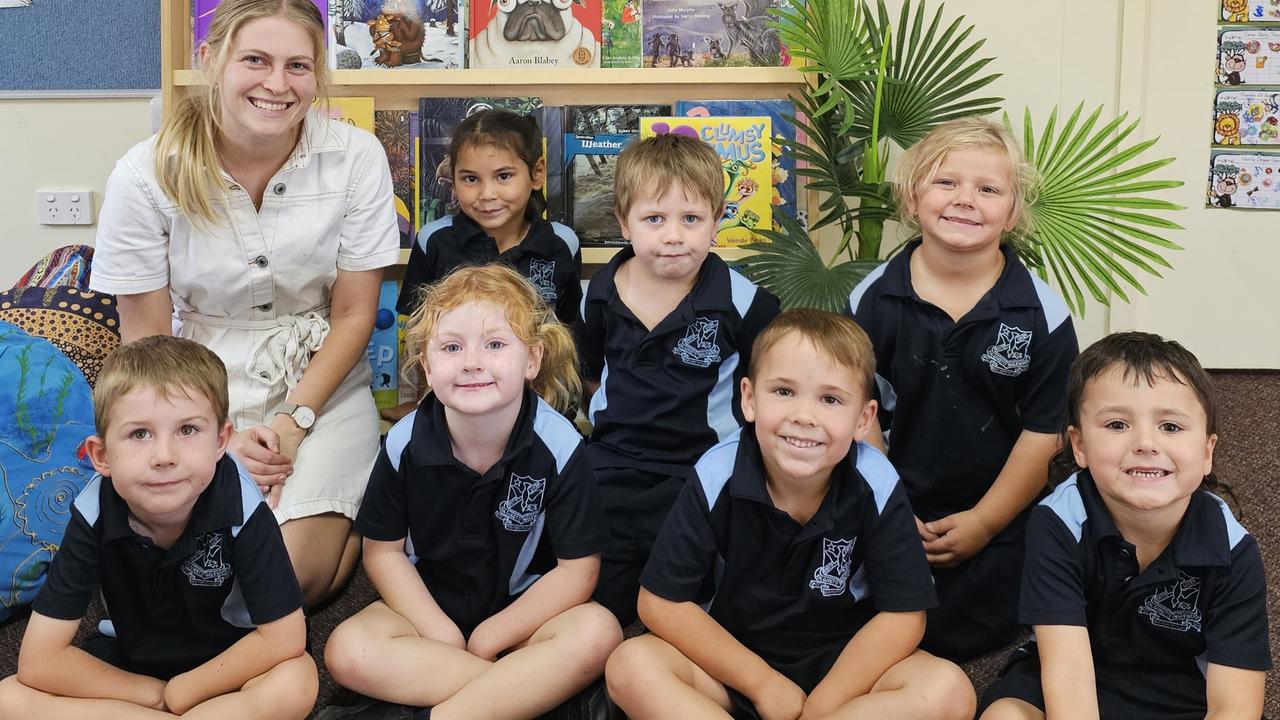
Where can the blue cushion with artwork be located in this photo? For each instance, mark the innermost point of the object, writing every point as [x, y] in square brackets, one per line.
[48, 412]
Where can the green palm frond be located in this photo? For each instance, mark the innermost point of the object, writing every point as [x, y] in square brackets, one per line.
[832, 38]
[932, 73]
[791, 268]
[1091, 224]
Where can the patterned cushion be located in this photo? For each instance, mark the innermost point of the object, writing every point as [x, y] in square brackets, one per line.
[67, 266]
[80, 323]
[49, 413]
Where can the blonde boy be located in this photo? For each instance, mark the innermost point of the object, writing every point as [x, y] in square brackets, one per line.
[206, 612]
[665, 337]
[798, 537]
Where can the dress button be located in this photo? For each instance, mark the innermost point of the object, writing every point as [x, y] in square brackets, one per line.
[278, 189]
[264, 307]
[261, 261]
[264, 374]
[1124, 551]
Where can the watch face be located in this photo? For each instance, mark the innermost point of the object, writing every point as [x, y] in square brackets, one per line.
[304, 416]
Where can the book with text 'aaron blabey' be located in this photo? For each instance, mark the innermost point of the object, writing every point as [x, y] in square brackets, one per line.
[745, 147]
[592, 136]
[534, 34]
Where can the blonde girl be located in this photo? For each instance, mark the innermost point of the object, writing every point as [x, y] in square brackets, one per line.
[482, 524]
[266, 227]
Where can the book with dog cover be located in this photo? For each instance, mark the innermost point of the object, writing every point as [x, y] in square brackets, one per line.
[534, 33]
[592, 136]
[411, 34]
[709, 33]
[437, 118]
[745, 147]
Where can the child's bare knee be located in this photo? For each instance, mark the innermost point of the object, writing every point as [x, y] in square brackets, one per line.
[600, 635]
[300, 684]
[630, 667]
[13, 699]
[344, 654]
[951, 692]
[1009, 709]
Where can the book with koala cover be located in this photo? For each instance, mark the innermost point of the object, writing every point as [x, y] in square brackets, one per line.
[534, 34]
[745, 147]
[709, 33]
[411, 34]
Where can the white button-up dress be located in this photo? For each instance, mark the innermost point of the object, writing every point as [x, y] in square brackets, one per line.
[256, 288]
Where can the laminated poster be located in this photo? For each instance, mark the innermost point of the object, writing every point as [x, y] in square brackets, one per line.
[1249, 57]
[1244, 181]
[1247, 117]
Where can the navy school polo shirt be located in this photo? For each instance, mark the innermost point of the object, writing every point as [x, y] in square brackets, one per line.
[785, 590]
[955, 396]
[668, 394]
[1203, 600]
[548, 255]
[478, 541]
[175, 609]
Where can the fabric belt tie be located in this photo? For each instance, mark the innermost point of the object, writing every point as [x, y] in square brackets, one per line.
[284, 350]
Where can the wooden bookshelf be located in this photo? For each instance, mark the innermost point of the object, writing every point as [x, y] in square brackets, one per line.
[401, 89]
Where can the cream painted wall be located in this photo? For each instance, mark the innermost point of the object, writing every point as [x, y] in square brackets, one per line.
[1139, 56]
[53, 145]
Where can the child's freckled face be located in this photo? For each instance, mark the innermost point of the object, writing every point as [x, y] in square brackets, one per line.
[672, 234]
[161, 452]
[475, 363]
[807, 408]
[1146, 446]
[967, 205]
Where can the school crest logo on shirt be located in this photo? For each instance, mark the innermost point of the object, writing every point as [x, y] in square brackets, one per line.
[832, 577]
[1010, 355]
[206, 568]
[520, 510]
[698, 347]
[1175, 607]
[542, 275]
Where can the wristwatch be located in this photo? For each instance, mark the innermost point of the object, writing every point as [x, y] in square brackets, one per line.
[302, 415]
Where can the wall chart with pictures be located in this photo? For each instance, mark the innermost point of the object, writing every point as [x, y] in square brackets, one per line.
[1244, 163]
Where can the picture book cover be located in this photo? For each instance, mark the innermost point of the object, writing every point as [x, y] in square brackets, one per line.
[415, 143]
[437, 117]
[534, 33]
[383, 353]
[416, 34]
[1245, 57]
[392, 129]
[698, 33]
[783, 168]
[356, 111]
[593, 135]
[1244, 181]
[1240, 11]
[620, 34]
[202, 17]
[745, 147]
[1247, 117]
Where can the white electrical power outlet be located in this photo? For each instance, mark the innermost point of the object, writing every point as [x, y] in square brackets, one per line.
[64, 207]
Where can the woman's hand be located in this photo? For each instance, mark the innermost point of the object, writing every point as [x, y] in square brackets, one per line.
[258, 449]
[289, 433]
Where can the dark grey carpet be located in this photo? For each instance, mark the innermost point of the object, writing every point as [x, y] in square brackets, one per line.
[1246, 458]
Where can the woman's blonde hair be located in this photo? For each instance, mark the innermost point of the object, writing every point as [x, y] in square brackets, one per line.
[187, 165]
[531, 319]
[922, 160]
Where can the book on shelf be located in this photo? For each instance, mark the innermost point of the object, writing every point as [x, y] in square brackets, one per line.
[383, 351]
[395, 34]
[356, 111]
[437, 119]
[745, 147]
[620, 25]
[392, 127]
[782, 166]
[592, 136]
[534, 34]
[708, 33]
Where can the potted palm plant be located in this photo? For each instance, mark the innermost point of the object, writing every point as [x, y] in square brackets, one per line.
[879, 84]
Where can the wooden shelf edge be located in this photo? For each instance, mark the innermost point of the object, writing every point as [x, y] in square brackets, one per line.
[595, 76]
